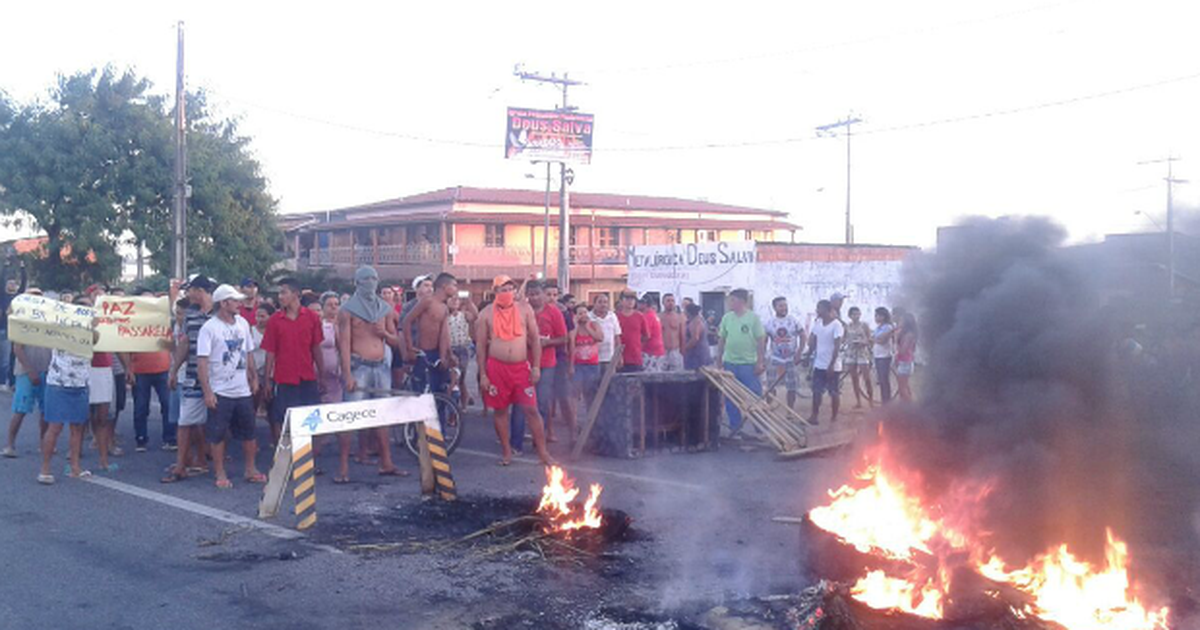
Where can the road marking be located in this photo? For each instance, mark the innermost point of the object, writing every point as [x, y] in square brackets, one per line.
[203, 510]
[597, 471]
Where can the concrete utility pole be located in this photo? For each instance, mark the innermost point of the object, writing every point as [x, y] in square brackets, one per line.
[564, 195]
[179, 249]
[1171, 181]
[830, 129]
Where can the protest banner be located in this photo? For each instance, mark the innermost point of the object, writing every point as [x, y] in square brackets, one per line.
[39, 321]
[132, 324]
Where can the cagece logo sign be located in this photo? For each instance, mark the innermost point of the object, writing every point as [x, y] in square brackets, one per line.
[351, 416]
[362, 414]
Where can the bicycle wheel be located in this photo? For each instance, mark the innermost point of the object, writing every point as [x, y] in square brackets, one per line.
[451, 423]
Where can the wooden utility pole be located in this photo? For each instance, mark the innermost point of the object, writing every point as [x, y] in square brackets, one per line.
[1171, 181]
[179, 249]
[848, 123]
[564, 194]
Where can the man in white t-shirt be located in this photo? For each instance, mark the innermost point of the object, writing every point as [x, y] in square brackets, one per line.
[228, 378]
[824, 343]
[607, 320]
[785, 337]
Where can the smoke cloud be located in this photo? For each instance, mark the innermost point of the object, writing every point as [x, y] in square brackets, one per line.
[1033, 384]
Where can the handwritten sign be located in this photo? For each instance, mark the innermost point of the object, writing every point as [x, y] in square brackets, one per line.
[38, 321]
[132, 324]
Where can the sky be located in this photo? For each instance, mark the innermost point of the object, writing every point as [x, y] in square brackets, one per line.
[1018, 107]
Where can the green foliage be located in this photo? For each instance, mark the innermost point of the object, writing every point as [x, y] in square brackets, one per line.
[93, 169]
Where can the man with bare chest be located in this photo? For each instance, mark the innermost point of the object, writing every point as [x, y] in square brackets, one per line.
[510, 359]
[429, 320]
[364, 327]
[672, 332]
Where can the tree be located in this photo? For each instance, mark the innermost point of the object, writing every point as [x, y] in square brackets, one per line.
[93, 169]
[79, 166]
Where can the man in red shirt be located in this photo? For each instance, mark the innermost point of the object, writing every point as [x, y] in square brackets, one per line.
[249, 309]
[654, 356]
[293, 345]
[552, 330]
[634, 332]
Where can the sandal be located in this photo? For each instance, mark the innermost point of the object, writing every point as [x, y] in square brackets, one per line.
[9, 453]
[197, 470]
[112, 468]
[174, 475]
[393, 472]
[257, 478]
[341, 481]
[45, 480]
[83, 474]
[224, 484]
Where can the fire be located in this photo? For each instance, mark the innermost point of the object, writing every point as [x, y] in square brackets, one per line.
[878, 590]
[558, 503]
[883, 515]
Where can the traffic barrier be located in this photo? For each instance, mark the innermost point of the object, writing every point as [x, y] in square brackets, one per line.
[302, 424]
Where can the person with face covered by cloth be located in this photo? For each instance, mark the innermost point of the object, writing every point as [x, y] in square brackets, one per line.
[364, 326]
[509, 352]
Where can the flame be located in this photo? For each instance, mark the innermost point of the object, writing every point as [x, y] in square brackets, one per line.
[883, 515]
[558, 498]
[878, 590]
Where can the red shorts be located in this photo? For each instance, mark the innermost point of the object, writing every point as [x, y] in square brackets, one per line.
[511, 383]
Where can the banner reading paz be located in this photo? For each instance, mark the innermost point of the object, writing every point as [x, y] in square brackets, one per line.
[39, 321]
[132, 324]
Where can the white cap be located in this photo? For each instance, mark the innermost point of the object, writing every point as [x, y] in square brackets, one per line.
[418, 280]
[226, 292]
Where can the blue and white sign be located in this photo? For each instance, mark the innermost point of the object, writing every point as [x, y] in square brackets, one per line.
[306, 422]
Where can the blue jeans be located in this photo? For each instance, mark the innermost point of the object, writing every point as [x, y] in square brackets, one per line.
[746, 376]
[369, 375]
[883, 375]
[5, 357]
[545, 398]
[143, 386]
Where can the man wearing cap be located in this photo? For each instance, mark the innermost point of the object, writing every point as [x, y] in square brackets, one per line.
[510, 358]
[225, 369]
[365, 325]
[292, 342]
[425, 335]
[192, 412]
[249, 308]
[401, 360]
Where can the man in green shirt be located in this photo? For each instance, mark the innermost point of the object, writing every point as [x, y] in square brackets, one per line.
[742, 349]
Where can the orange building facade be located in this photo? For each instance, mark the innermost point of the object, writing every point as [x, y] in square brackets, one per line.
[478, 233]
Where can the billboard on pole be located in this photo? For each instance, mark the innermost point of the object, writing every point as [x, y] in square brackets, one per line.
[549, 136]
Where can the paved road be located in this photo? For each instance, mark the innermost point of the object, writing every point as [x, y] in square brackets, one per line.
[126, 551]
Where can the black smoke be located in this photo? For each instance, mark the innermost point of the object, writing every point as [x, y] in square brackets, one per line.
[1031, 381]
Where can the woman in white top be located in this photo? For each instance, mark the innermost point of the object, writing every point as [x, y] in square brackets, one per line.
[881, 351]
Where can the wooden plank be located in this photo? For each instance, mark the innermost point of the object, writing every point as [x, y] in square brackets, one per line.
[594, 409]
[424, 461]
[788, 520]
[277, 478]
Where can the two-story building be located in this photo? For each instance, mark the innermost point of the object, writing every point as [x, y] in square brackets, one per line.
[478, 233]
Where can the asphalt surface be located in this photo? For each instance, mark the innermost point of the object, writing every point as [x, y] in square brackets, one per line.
[129, 552]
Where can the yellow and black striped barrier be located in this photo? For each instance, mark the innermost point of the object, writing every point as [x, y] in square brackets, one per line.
[304, 476]
[441, 463]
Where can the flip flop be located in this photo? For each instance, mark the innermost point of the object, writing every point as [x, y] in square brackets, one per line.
[9, 453]
[173, 477]
[341, 481]
[82, 475]
[112, 468]
[197, 470]
[224, 484]
[395, 472]
[45, 480]
[257, 478]
[504, 462]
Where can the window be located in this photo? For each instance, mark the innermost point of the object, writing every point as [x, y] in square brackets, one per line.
[608, 237]
[706, 236]
[493, 236]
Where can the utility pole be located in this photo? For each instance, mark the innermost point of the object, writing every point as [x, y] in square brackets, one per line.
[564, 196]
[546, 232]
[830, 129]
[1171, 181]
[179, 249]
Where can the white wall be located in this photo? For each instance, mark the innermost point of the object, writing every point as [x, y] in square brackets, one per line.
[866, 284]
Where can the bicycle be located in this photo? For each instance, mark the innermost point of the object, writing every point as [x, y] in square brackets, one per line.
[449, 419]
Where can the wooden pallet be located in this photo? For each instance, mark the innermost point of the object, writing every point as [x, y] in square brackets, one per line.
[779, 425]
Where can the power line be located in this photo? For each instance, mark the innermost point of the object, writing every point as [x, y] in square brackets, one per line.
[736, 144]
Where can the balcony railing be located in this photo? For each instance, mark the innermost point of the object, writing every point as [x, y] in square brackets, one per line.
[462, 255]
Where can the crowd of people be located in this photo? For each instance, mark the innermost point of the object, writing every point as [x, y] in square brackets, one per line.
[235, 356]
